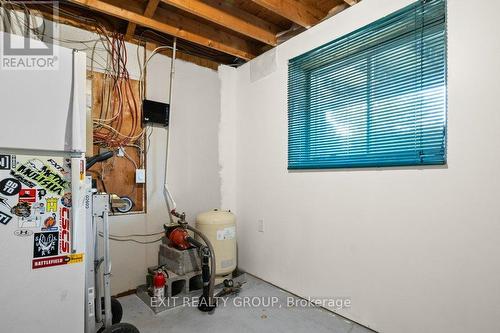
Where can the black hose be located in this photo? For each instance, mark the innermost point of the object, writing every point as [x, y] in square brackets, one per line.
[90, 161]
[211, 300]
[194, 242]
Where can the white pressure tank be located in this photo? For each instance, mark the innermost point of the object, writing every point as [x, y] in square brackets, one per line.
[220, 228]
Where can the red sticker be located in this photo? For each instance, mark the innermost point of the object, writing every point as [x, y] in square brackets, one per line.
[57, 261]
[27, 195]
[64, 235]
[48, 262]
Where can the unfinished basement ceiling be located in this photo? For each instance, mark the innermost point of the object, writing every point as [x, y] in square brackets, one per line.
[210, 32]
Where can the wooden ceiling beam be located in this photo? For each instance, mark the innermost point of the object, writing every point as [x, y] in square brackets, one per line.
[337, 9]
[351, 2]
[148, 12]
[49, 15]
[177, 26]
[230, 17]
[294, 10]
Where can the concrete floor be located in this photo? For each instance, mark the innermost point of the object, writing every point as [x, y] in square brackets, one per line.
[232, 318]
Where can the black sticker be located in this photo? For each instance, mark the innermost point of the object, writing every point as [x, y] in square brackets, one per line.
[5, 162]
[41, 193]
[5, 218]
[45, 244]
[10, 186]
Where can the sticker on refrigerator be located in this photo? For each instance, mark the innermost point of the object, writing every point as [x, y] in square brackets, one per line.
[39, 208]
[50, 223]
[35, 196]
[35, 172]
[5, 218]
[5, 210]
[51, 205]
[57, 261]
[5, 162]
[5, 203]
[64, 230]
[45, 244]
[10, 186]
[66, 200]
[57, 166]
[22, 209]
[27, 195]
[41, 194]
[23, 233]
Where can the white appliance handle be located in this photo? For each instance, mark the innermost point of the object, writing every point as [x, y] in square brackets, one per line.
[78, 106]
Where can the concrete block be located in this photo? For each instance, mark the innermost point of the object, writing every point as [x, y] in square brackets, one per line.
[180, 262]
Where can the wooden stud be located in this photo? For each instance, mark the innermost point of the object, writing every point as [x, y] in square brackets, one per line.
[150, 46]
[337, 9]
[229, 17]
[294, 10]
[178, 26]
[148, 12]
[351, 2]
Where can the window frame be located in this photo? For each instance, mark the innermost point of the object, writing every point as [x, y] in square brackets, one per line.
[390, 159]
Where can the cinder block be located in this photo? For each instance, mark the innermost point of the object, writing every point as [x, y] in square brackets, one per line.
[180, 262]
[177, 284]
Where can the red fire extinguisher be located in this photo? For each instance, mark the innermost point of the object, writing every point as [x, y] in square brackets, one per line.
[159, 282]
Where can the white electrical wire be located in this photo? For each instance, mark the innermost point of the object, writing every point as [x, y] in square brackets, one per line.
[166, 191]
[131, 240]
[169, 200]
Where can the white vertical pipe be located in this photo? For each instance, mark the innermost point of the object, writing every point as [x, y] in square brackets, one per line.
[166, 192]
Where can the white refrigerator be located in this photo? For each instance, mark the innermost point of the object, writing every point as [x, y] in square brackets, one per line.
[42, 189]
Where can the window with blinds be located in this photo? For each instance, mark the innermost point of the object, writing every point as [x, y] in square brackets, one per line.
[373, 98]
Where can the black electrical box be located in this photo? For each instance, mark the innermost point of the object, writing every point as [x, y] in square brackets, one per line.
[155, 112]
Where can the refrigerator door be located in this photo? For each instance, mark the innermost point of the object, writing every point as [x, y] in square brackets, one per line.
[44, 109]
[43, 271]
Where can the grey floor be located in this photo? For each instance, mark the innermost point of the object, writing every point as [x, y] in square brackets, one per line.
[231, 318]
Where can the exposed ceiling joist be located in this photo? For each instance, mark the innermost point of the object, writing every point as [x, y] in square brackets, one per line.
[178, 26]
[337, 9]
[294, 10]
[351, 2]
[49, 15]
[230, 17]
[148, 12]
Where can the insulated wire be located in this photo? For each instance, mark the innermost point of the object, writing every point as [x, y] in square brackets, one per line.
[131, 240]
[114, 69]
[140, 235]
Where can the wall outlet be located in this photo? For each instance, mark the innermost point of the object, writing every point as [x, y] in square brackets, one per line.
[140, 176]
[120, 152]
[260, 225]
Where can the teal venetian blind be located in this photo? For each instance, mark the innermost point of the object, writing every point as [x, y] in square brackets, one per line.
[375, 97]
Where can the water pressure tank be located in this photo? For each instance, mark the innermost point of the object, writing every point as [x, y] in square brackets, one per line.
[220, 228]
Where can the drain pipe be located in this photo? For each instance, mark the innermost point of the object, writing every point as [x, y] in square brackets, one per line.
[166, 193]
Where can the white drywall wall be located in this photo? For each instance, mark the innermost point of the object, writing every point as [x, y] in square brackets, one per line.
[414, 248]
[227, 144]
[193, 169]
